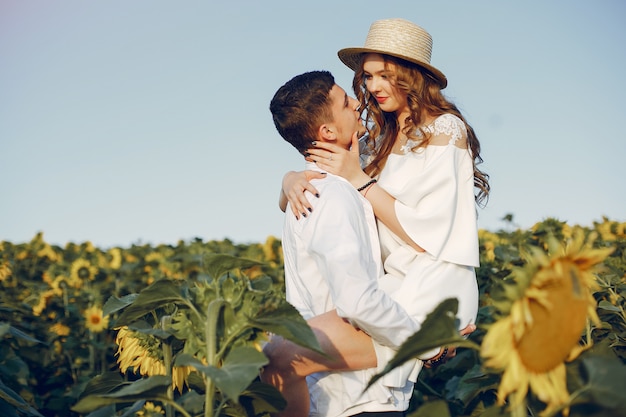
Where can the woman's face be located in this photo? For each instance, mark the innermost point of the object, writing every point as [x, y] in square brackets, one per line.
[380, 82]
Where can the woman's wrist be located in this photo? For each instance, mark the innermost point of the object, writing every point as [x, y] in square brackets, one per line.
[440, 357]
[360, 180]
[365, 187]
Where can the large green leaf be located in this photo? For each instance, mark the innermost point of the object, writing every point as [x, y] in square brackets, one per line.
[147, 388]
[143, 327]
[6, 328]
[15, 401]
[439, 329]
[471, 384]
[104, 383]
[110, 411]
[156, 295]
[437, 408]
[604, 386]
[239, 369]
[218, 264]
[261, 284]
[262, 398]
[192, 401]
[287, 322]
[115, 304]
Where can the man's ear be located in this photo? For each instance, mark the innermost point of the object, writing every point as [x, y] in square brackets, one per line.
[327, 132]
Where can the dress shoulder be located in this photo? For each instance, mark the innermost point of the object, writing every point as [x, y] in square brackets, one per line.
[450, 125]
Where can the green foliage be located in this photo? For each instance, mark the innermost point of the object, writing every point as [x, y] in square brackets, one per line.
[594, 379]
[210, 304]
[439, 329]
[207, 324]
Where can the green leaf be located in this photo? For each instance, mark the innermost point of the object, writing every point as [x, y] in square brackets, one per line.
[287, 322]
[192, 401]
[605, 305]
[14, 400]
[6, 328]
[239, 369]
[262, 398]
[437, 408]
[218, 264]
[152, 387]
[20, 334]
[109, 410]
[144, 327]
[471, 384]
[115, 304]
[149, 299]
[605, 384]
[104, 383]
[261, 284]
[439, 329]
[495, 411]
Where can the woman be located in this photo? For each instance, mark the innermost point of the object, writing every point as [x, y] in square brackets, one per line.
[419, 176]
[420, 173]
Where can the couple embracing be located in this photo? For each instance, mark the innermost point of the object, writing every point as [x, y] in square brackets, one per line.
[380, 227]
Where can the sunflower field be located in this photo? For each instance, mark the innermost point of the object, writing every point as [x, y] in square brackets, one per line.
[177, 330]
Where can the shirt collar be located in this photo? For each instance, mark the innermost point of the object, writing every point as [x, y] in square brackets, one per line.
[312, 166]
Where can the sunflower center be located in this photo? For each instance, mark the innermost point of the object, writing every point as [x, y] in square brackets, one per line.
[557, 326]
[94, 319]
[83, 273]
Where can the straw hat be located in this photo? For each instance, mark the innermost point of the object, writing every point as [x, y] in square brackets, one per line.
[399, 38]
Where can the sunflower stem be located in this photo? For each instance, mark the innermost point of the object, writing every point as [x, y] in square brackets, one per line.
[92, 353]
[230, 339]
[66, 301]
[171, 403]
[167, 361]
[210, 335]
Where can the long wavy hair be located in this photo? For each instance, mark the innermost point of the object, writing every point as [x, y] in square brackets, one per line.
[424, 96]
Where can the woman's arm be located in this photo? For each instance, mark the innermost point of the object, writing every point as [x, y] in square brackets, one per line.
[346, 164]
[294, 186]
[384, 209]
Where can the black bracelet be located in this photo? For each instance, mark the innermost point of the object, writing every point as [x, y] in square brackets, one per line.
[363, 187]
[440, 358]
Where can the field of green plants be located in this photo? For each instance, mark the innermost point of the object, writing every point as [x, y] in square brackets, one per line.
[177, 330]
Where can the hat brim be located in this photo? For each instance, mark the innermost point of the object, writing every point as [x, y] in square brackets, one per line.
[351, 57]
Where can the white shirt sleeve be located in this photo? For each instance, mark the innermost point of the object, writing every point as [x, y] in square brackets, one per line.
[339, 241]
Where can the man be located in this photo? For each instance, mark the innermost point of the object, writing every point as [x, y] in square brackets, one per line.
[332, 264]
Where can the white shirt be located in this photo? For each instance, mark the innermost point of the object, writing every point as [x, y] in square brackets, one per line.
[332, 261]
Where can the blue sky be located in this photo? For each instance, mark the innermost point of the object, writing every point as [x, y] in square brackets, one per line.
[147, 121]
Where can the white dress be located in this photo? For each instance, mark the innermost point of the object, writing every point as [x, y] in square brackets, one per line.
[434, 192]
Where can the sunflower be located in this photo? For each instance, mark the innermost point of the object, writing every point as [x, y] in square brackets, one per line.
[47, 252]
[94, 320]
[60, 329]
[5, 271]
[89, 247]
[116, 258]
[489, 241]
[150, 410]
[82, 271]
[57, 285]
[271, 249]
[253, 272]
[544, 312]
[142, 354]
[154, 257]
[41, 305]
[611, 231]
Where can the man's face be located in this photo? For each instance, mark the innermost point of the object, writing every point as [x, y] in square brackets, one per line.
[346, 117]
